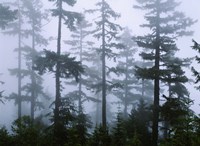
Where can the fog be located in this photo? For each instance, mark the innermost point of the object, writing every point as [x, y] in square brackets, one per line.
[130, 17]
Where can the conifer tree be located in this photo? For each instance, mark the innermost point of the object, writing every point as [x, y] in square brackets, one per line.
[61, 65]
[175, 78]
[166, 25]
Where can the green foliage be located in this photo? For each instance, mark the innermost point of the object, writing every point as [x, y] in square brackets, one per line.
[135, 141]
[100, 137]
[78, 134]
[68, 65]
[70, 18]
[138, 125]
[177, 111]
[164, 24]
[6, 139]
[25, 132]
[118, 133]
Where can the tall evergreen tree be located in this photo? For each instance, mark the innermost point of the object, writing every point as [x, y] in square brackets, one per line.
[166, 25]
[61, 64]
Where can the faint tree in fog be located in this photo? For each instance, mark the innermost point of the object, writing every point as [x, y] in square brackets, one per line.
[34, 15]
[82, 48]
[15, 29]
[29, 27]
[166, 25]
[107, 31]
[132, 89]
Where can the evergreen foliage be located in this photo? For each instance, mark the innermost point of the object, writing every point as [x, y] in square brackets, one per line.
[138, 125]
[119, 132]
[6, 16]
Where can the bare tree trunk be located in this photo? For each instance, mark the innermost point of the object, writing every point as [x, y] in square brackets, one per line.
[80, 82]
[33, 82]
[57, 75]
[156, 80]
[103, 69]
[19, 63]
[126, 90]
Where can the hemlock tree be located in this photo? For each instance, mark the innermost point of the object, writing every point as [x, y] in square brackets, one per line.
[107, 31]
[166, 25]
[61, 65]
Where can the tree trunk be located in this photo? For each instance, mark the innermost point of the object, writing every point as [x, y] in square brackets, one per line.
[156, 80]
[57, 75]
[33, 82]
[80, 82]
[19, 63]
[103, 69]
[126, 90]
